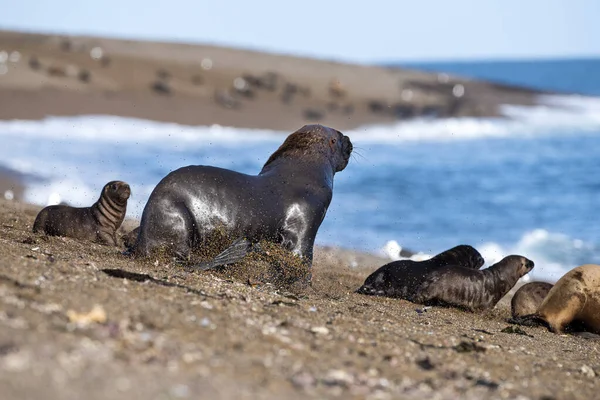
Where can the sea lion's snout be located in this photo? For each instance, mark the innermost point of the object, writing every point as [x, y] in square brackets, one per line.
[364, 289]
[125, 191]
[118, 190]
[527, 266]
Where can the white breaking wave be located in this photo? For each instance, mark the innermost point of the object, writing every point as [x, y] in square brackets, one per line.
[554, 254]
[553, 114]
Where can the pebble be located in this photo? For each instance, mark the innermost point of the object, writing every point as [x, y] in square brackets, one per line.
[588, 371]
[338, 377]
[303, 380]
[319, 330]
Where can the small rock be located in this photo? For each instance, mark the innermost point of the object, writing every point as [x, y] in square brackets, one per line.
[588, 371]
[97, 314]
[319, 330]
[338, 377]
[426, 364]
[303, 380]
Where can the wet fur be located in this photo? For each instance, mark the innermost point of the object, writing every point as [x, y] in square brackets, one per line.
[284, 204]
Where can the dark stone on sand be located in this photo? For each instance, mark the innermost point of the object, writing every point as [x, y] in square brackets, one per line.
[56, 71]
[377, 106]
[225, 99]
[84, 75]
[161, 87]
[34, 63]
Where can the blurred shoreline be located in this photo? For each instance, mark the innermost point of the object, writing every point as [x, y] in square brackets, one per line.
[43, 75]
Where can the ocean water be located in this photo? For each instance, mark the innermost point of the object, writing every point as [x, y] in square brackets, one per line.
[528, 184]
[566, 75]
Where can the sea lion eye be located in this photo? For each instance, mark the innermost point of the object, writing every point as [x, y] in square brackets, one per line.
[333, 140]
[113, 186]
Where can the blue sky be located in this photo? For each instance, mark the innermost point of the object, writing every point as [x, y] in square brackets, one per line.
[372, 31]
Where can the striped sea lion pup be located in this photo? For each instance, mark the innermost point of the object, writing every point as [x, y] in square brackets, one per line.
[528, 298]
[572, 304]
[97, 223]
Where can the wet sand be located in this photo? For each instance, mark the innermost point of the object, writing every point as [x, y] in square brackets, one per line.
[205, 85]
[159, 331]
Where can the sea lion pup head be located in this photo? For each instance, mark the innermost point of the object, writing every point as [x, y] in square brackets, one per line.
[316, 141]
[522, 265]
[528, 298]
[117, 191]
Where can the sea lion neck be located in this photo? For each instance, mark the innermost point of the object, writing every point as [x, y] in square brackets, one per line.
[503, 276]
[305, 166]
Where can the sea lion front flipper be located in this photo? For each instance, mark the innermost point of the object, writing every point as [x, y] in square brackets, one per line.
[463, 255]
[234, 253]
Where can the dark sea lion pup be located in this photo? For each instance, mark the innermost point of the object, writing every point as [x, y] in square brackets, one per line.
[528, 298]
[475, 290]
[451, 278]
[97, 223]
[285, 203]
[573, 303]
[402, 278]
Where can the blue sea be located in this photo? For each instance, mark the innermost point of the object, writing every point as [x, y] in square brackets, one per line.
[528, 184]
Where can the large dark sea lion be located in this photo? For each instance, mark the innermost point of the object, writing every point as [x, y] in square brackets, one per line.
[528, 298]
[285, 203]
[455, 281]
[97, 223]
[573, 303]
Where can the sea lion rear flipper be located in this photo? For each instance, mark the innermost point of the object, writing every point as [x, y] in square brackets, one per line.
[528, 320]
[234, 253]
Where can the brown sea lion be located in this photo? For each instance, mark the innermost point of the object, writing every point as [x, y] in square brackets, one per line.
[285, 203]
[573, 301]
[401, 278]
[459, 283]
[528, 298]
[98, 223]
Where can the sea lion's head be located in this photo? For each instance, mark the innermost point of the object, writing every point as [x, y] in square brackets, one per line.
[522, 264]
[319, 141]
[376, 284]
[117, 191]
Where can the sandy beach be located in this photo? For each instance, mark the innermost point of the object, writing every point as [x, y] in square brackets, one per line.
[81, 320]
